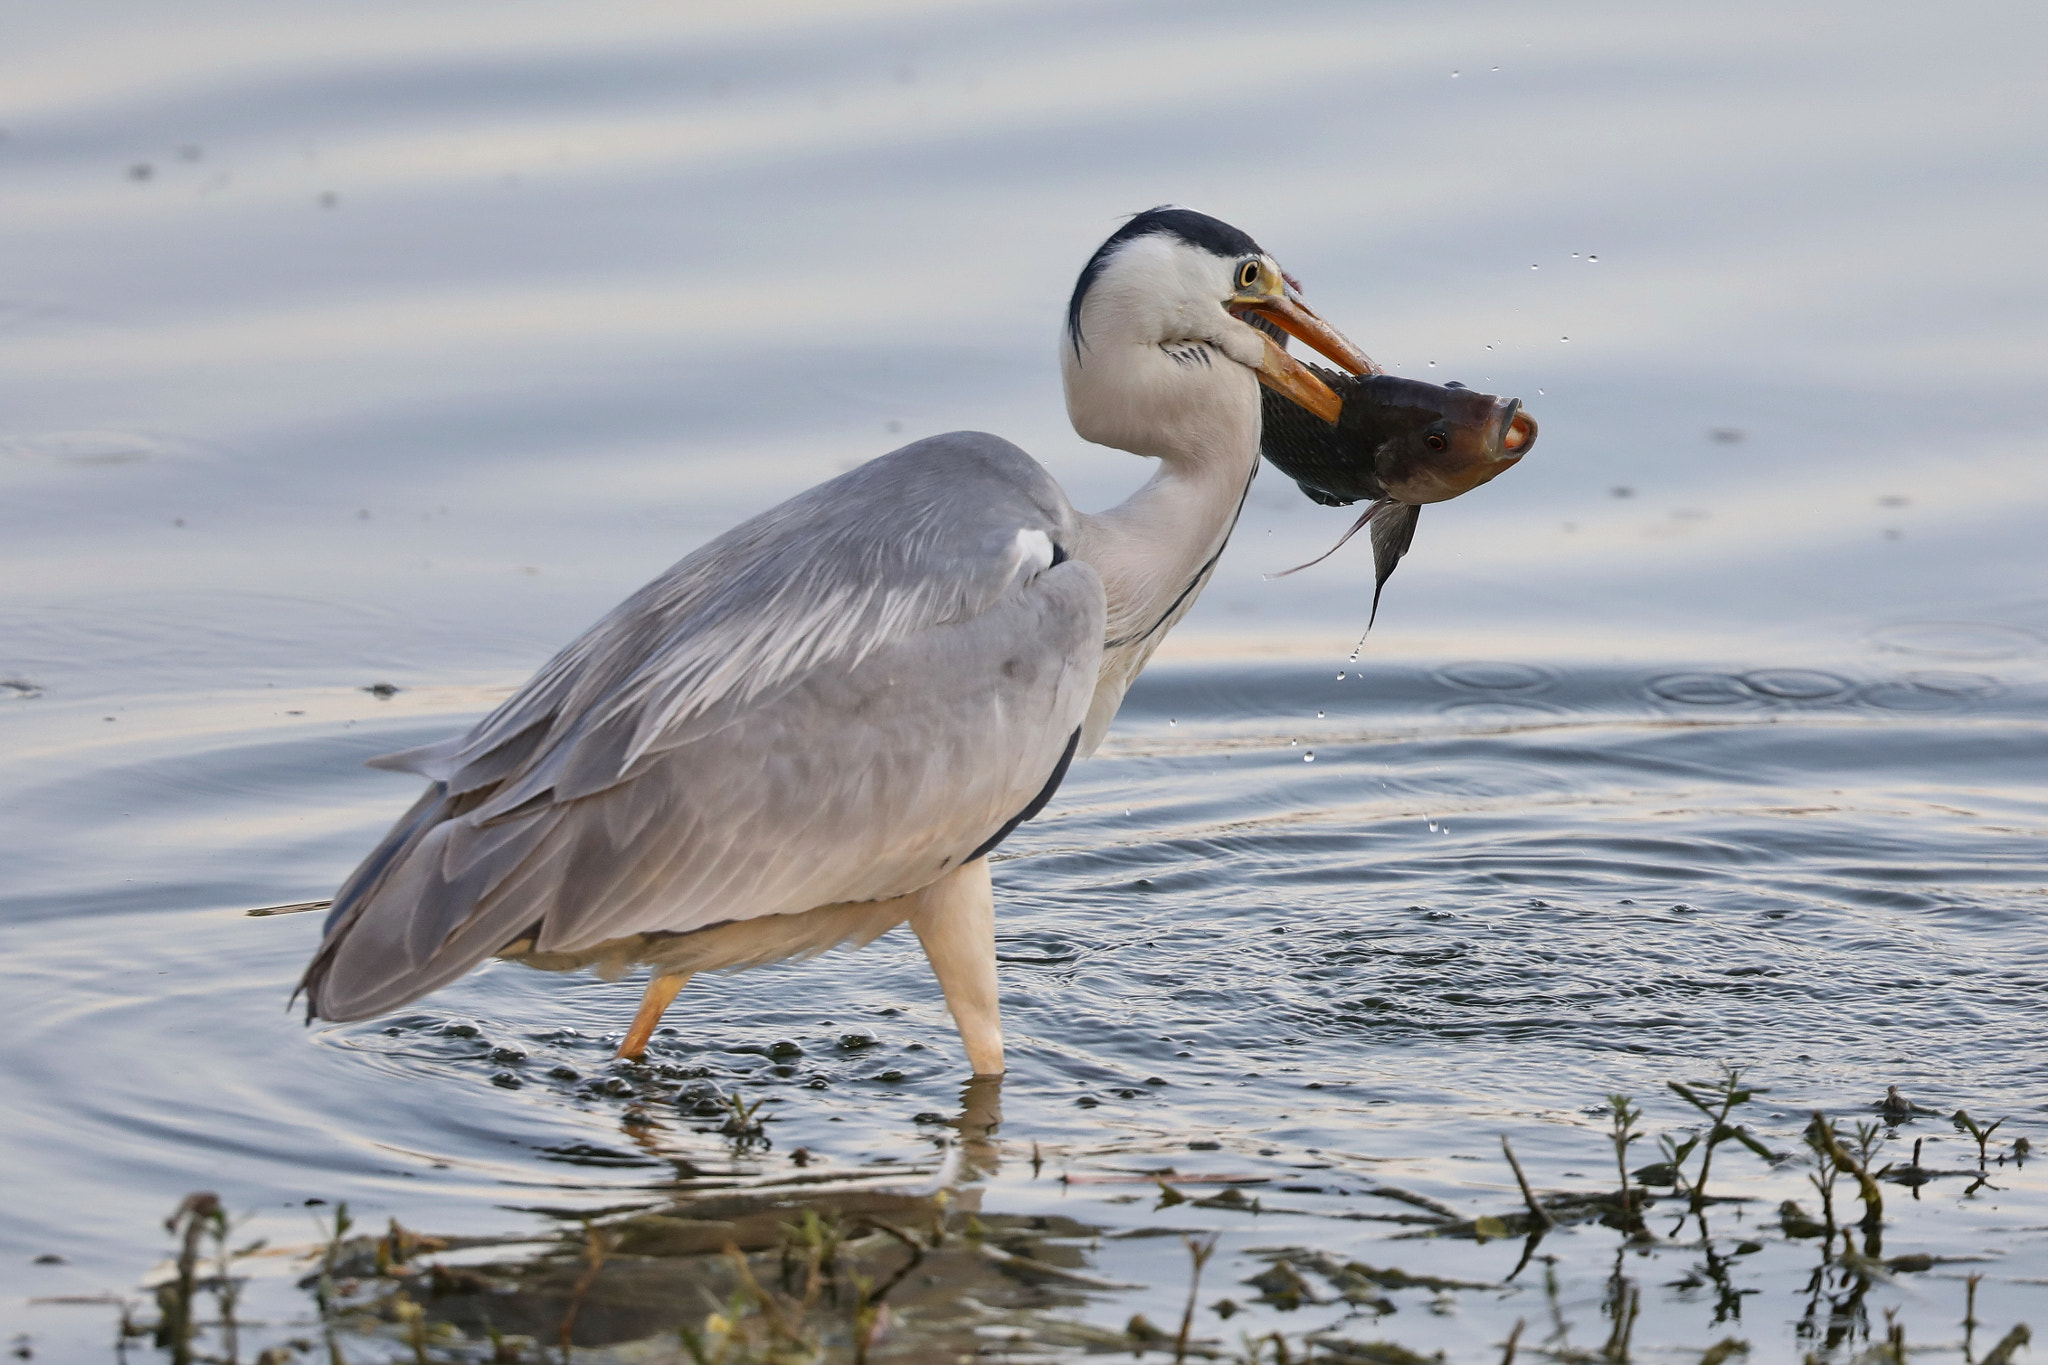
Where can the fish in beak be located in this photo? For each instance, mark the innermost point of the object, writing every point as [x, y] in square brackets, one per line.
[1366, 434]
[1399, 442]
[1404, 439]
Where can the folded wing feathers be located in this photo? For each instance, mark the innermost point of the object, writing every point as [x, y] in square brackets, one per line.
[833, 574]
[926, 536]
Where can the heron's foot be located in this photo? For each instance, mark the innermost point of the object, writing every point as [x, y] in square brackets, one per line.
[661, 989]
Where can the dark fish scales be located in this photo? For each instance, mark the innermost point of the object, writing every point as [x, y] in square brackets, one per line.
[1398, 442]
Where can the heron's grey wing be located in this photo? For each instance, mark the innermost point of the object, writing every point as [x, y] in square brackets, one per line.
[727, 745]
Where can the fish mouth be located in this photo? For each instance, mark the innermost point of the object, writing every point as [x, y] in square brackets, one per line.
[1517, 433]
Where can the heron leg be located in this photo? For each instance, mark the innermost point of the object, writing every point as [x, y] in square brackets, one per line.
[956, 922]
[661, 989]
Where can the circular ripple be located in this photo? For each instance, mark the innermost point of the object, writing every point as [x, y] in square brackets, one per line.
[1482, 709]
[1956, 639]
[1956, 684]
[1795, 684]
[1702, 689]
[1489, 676]
[1902, 695]
[90, 447]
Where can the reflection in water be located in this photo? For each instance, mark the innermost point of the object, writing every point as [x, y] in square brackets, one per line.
[748, 1264]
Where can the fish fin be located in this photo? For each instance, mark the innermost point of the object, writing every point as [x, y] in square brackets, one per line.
[1392, 534]
[1356, 527]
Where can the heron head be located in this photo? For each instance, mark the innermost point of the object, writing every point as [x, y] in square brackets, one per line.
[1156, 338]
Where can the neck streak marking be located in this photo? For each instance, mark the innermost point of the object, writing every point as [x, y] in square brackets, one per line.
[1200, 574]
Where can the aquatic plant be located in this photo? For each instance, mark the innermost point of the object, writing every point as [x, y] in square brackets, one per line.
[1982, 1133]
[805, 1270]
[1731, 1095]
[1623, 1118]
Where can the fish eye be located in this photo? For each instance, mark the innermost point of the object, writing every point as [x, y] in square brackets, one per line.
[1436, 440]
[1248, 274]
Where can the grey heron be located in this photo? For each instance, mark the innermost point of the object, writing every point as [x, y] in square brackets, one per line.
[816, 727]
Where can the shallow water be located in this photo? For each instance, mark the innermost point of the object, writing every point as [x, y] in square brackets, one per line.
[1714, 733]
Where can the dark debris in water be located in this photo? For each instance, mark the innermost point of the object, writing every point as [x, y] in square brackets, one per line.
[884, 1263]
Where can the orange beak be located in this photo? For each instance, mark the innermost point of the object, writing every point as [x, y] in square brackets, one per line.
[1287, 376]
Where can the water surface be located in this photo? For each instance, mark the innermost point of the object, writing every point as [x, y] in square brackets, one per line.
[394, 347]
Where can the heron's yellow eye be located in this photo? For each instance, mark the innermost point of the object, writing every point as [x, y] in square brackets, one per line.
[1248, 274]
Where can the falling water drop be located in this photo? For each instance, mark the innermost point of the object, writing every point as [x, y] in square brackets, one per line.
[1309, 757]
[1340, 675]
[1533, 266]
[1454, 75]
[1564, 338]
[1592, 258]
[1171, 721]
[1319, 715]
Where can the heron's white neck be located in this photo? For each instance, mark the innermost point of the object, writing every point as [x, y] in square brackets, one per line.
[1197, 411]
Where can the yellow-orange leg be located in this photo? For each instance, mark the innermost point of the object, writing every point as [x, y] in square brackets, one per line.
[956, 922]
[661, 989]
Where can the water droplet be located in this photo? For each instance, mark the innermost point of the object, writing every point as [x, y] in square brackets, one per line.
[1534, 266]
[1127, 810]
[1293, 743]
[1496, 68]
[1340, 675]
[1319, 715]
[1454, 75]
[1309, 757]
[1564, 338]
[1592, 258]
[1539, 393]
[1431, 823]
[1432, 364]
[1575, 255]
[1171, 721]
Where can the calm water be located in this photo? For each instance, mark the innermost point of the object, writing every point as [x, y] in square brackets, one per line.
[395, 344]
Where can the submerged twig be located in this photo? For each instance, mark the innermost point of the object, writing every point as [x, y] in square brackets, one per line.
[1828, 1140]
[1199, 1251]
[1537, 1212]
[189, 1222]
